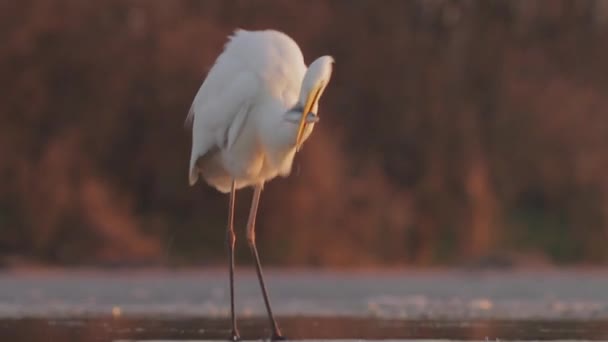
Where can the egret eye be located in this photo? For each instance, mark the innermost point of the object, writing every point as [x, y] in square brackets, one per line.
[312, 117]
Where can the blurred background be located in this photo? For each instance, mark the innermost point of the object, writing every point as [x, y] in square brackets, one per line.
[452, 133]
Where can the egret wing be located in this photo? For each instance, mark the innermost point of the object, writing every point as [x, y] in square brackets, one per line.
[220, 109]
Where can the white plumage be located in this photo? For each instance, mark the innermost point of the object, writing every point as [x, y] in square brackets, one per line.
[252, 113]
[246, 114]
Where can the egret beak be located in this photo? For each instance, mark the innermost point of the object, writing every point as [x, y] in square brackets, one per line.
[312, 98]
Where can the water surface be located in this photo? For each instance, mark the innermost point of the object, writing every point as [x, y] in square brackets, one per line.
[184, 305]
[318, 328]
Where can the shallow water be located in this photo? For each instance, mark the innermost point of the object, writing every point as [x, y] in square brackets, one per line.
[164, 305]
[548, 295]
[109, 329]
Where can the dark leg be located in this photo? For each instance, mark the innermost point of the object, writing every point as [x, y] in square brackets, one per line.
[276, 333]
[230, 241]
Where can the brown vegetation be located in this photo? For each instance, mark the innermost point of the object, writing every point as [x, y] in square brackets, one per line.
[452, 130]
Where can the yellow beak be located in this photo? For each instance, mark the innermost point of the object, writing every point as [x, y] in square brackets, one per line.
[313, 97]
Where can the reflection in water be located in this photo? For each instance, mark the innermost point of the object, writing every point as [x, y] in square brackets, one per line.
[107, 329]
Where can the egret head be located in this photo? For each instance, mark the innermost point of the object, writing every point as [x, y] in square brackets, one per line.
[315, 80]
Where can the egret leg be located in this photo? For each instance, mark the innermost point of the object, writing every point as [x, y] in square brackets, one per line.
[230, 241]
[276, 333]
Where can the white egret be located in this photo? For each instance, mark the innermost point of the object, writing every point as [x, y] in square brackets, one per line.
[256, 107]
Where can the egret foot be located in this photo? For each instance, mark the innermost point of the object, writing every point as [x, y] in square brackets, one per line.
[276, 336]
[235, 336]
